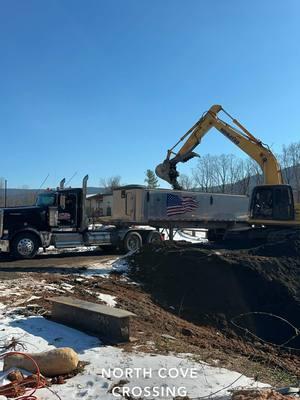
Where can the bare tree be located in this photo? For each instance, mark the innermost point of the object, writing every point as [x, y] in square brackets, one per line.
[110, 183]
[186, 182]
[243, 184]
[222, 171]
[257, 174]
[230, 174]
[290, 161]
[286, 163]
[295, 150]
[226, 173]
[204, 174]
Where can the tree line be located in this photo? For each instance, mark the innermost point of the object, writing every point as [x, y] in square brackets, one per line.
[227, 173]
[224, 173]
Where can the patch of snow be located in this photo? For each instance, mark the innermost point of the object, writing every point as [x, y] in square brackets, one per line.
[79, 279]
[33, 298]
[93, 383]
[19, 302]
[9, 292]
[108, 299]
[67, 287]
[54, 288]
[187, 236]
[105, 267]
[90, 292]
[54, 250]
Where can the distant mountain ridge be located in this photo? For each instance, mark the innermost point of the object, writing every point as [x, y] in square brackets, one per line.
[18, 197]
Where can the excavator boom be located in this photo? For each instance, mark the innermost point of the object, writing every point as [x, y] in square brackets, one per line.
[240, 137]
[272, 208]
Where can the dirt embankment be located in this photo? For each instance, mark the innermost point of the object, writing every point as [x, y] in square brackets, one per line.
[154, 329]
[210, 286]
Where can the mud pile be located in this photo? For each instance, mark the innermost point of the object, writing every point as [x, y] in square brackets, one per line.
[213, 286]
[285, 248]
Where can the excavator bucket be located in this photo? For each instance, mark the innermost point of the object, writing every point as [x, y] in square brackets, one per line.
[167, 171]
[163, 171]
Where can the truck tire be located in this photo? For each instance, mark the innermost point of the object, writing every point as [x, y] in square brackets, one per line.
[25, 245]
[132, 242]
[154, 237]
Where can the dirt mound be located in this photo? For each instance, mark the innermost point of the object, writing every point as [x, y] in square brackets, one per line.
[210, 286]
[285, 248]
[256, 394]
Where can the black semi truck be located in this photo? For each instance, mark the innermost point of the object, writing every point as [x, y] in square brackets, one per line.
[59, 219]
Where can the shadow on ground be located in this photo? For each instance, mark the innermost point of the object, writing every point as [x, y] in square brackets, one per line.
[55, 334]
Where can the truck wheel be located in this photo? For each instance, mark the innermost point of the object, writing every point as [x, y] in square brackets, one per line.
[132, 242]
[154, 237]
[25, 245]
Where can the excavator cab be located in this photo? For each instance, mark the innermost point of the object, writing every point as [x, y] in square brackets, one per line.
[272, 202]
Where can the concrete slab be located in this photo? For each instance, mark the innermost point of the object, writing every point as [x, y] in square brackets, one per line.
[109, 323]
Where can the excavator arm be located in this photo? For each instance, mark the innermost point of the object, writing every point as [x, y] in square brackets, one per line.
[241, 138]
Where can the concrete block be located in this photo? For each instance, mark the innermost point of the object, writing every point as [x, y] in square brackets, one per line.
[108, 323]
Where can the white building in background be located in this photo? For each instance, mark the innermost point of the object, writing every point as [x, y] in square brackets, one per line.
[99, 205]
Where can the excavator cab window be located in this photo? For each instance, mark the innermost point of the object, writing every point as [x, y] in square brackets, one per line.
[262, 207]
[272, 203]
[283, 203]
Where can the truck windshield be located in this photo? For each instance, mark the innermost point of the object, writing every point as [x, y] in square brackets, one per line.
[46, 199]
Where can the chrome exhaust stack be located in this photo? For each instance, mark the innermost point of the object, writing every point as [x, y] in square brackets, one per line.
[84, 221]
[62, 183]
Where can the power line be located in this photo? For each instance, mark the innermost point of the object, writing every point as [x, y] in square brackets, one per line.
[75, 173]
[44, 181]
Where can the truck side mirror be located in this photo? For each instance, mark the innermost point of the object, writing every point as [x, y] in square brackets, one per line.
[62, 201]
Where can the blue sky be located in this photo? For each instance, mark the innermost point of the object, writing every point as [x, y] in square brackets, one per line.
[106, 87]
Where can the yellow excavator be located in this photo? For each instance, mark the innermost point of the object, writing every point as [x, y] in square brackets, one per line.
[273, 213]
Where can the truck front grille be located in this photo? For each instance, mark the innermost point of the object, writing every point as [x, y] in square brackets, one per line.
[1, 221]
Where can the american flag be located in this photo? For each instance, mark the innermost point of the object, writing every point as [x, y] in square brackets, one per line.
[180, 204]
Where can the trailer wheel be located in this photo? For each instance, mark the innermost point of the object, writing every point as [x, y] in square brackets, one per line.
[132, 242]
[154, 237]
[25, 245]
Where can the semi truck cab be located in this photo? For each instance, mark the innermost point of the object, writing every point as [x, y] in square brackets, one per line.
[24, 229]
[62, 207]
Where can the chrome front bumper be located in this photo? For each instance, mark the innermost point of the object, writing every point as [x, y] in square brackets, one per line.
[4, 246]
